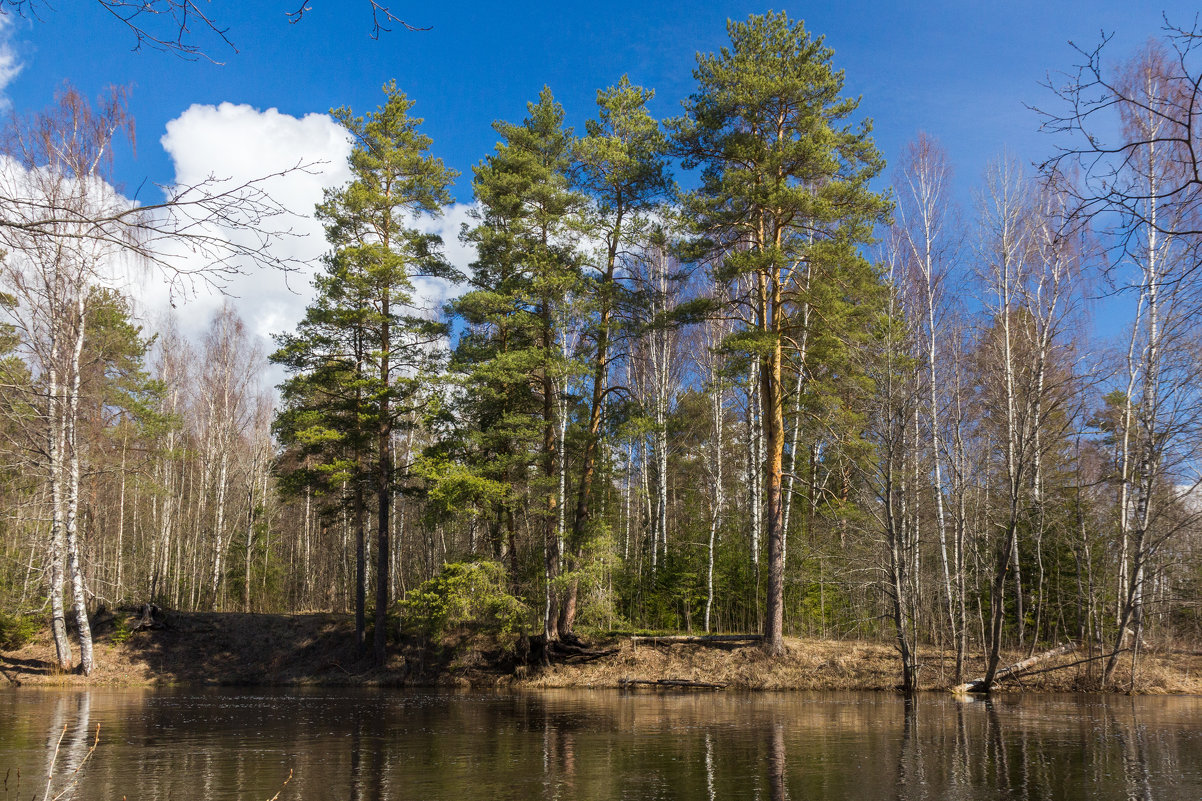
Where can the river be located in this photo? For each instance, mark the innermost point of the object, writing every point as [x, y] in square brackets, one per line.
[600, 744]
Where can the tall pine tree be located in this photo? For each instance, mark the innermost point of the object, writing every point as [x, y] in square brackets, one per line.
[621, 168]
[783, 204]
[512, 355]
[366, 331]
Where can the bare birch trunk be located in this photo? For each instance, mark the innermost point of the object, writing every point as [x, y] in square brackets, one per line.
[1152, 434]
[755, 462]
[960, 488]
[936, 442]
[718, 499]
[551, 553]
[117, 585]
[1006, 210]
[74, 562]
[58, 526]
[219, 528]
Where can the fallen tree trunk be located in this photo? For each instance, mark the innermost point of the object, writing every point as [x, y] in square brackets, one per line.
[576, 655]
[1012, 671]
[1071, 664]
[671, 684]
[709, 639]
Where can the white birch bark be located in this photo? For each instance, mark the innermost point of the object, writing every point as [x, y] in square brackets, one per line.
[755, 462]
[74, 562]
[714, 335]
[58, 528]
[921, 211]
[118, 583]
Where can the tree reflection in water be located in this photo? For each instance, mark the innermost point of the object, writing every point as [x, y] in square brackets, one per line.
[1133, 740]
[777, 783]
[603, 746]
[709, 767]
[67, 744]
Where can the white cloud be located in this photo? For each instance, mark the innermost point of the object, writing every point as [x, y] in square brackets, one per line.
[225, 147]
[236, 144]
[434, 294]
[10, 62]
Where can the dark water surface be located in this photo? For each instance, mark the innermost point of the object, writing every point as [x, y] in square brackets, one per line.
[600, 744]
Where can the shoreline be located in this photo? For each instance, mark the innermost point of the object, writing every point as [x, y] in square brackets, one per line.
[316, 650]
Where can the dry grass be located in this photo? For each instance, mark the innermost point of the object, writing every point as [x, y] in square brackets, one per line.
[839, 665]
[317, 649]
[807, 665]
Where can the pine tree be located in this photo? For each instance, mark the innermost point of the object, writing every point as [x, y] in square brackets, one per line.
[365, 346]
[512, 356]
[325, 416]
[621, 167]
[783, 204]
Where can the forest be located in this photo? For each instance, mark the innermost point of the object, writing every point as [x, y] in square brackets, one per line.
[723, 372]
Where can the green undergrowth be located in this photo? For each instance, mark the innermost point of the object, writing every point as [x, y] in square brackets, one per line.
[17, 631]
[464, 597]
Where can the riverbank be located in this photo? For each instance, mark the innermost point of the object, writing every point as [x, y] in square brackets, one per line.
[235, 649]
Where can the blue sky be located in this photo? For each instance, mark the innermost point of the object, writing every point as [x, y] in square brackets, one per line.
[961, 71]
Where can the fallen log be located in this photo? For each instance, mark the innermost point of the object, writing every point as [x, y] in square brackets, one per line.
[687, 639]
[1013, 671]
[1071, 664]
[670, 684]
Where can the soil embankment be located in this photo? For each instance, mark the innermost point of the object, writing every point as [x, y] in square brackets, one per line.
[318, 649]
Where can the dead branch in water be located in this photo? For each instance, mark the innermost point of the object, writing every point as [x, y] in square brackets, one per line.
[672, 684]
[78, 768]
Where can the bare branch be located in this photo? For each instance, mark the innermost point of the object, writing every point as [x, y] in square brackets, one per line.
[177, 26]
[1112, 122]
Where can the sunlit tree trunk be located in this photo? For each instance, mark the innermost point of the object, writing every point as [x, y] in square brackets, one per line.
[714, 334]
[58, 528]
[74, 563]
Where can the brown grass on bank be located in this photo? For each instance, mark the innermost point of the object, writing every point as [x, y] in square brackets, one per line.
[856, 665]
[317, 649]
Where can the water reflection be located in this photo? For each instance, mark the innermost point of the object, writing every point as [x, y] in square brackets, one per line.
[777, 772]
[709, 767]
[377, 746]
[67, 745]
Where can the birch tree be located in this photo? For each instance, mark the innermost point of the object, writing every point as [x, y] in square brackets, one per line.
[53, 273]
[922, 221]
[226, 399]
[1030, 257]
[714, 333]
[897, 396]
[1159, 401]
